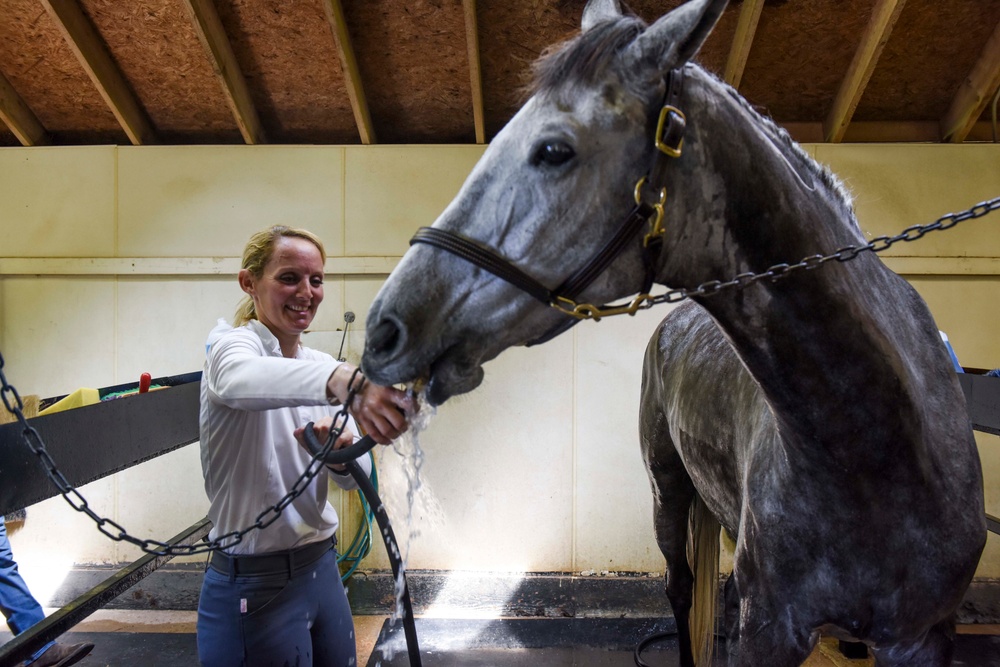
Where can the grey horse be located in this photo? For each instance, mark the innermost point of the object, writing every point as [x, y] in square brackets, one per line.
[816, 418]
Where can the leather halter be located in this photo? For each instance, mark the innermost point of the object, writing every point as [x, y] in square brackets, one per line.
[669, 138]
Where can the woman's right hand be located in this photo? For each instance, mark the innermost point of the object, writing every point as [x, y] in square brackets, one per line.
[382, 412]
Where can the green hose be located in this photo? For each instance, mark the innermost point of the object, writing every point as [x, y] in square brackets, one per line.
[362, 542]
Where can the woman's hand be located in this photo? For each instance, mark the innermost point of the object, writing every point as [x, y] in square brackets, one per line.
[380, 411]
[322, 429]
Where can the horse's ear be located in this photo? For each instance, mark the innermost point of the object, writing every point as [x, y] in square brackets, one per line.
[676, 37]
[597, 11]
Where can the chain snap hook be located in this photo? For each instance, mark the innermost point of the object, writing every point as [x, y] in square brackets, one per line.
[656, 222]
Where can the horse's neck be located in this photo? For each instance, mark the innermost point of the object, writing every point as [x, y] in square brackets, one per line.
[824, 345]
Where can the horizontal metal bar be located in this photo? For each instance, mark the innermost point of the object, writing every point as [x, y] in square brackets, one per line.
[982, 399]
[94, 441]
[993, 524]
[29, 641]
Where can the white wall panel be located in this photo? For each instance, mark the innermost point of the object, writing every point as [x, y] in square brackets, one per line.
[614, 503]
[204, 201]
[57, 202]
[393, 190]
[899, 185]
[536, 470]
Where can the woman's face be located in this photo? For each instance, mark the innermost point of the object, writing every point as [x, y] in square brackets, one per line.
[289, 291]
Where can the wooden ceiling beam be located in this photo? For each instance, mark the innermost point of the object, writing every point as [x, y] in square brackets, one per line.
[974, 93]
[213, 37]
[19, 117]
[475, 69]
[352, 75]
[883, 132]
[873, 40]
[746, 28]
[93, 54]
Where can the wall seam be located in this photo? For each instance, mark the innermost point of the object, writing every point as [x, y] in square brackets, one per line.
[574, 486]
[115, 488]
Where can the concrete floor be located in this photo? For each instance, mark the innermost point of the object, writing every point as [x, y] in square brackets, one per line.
[166, 639]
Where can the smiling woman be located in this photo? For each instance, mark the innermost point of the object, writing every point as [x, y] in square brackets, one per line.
[275, 594]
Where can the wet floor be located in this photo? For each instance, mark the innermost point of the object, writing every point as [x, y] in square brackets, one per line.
[167, 639]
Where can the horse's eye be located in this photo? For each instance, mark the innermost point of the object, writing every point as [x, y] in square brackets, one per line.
[553, 153]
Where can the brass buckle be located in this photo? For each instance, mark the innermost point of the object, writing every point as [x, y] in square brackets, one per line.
[672, 151]
[656, 225]
[587, 311]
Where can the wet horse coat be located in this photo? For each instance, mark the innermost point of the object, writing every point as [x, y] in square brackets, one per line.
[817, 418]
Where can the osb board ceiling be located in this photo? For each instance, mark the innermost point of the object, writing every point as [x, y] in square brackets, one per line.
[453, 71]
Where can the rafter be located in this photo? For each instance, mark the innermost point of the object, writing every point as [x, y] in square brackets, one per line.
[19, 117]
[746, 27]
[213, 37]
[873, 40]
[475, 71]
[352, 76]
[93, 54]
[974, 94]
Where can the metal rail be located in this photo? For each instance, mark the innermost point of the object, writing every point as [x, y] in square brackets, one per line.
[32, 639]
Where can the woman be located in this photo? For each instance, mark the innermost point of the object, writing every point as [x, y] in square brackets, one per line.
[276, 597]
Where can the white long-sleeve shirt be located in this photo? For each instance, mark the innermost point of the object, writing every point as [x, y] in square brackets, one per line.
[252, 399]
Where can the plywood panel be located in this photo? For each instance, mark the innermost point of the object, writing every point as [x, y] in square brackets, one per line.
[288, 56]
[415, 69]
[45, 72]
[156, 47]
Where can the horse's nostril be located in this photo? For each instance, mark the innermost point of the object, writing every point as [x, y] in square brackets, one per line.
[383, 338]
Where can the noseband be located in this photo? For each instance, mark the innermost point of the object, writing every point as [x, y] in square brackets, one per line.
[669, 138]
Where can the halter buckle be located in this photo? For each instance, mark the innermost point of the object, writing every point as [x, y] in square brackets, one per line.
[669, 137]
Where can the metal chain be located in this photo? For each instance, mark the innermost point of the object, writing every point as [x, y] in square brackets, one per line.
[845, 254]
[12, 401]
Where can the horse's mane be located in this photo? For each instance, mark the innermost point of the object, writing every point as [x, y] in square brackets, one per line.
[581, 59]
[827, 177]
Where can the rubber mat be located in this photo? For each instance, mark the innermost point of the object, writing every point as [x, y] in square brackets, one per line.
[568, 642]
[475, 643]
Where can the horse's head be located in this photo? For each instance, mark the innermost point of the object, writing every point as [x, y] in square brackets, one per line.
[549, 191]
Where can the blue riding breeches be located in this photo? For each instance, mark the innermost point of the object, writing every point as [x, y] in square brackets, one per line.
[17, 604]
[295, 619]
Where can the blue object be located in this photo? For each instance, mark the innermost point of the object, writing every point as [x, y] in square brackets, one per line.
[18, 605]
[951, 353]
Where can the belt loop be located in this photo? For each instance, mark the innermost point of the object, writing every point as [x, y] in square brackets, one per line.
[290, 559]
[232, 568]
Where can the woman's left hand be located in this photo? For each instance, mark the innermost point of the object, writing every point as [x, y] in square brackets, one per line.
[322, 427]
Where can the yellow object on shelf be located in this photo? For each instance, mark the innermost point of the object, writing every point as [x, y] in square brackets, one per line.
[77, 399]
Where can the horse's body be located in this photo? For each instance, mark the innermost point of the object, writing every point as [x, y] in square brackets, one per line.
[816, 417]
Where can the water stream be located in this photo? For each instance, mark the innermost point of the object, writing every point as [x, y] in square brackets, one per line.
[407, 447]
